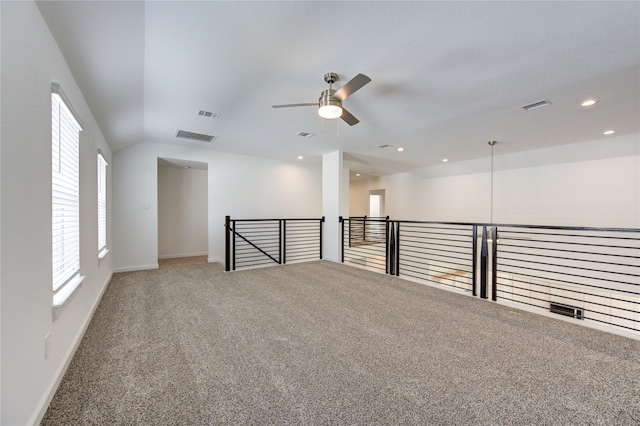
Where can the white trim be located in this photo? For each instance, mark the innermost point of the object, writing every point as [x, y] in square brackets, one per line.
[55, 88]
[103, 253]
[43, 405]
[136, 268]
[176, 256]
[64, 295]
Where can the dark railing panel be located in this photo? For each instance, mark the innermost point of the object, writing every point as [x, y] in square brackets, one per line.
[261, 242]
[437, 253]
[587, 273]
[302, 240]
[590, 274]
[257, 243]
[364, 242]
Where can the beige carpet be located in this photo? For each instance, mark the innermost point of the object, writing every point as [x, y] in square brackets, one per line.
[325, 343]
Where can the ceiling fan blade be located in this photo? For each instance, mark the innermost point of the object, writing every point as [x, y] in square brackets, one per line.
[351, 86]
[349, 118]
[295, 105]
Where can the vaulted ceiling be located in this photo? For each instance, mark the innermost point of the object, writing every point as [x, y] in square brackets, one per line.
[446, 76]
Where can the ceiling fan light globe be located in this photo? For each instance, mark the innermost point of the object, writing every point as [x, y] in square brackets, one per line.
[330, 111]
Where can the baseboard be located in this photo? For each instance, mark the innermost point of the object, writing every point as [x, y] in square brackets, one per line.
[53, 387]
[214, 260]
[176, 256]
[136, 268]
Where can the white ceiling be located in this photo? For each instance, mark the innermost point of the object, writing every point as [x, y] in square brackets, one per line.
[446, 76]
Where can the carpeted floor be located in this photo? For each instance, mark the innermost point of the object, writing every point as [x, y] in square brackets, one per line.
[324, 343]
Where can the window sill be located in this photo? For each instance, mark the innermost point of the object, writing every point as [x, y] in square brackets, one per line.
[102, 254]
[61, 298]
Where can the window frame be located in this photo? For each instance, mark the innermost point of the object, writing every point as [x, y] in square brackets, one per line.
[65, 197]
[102, 197]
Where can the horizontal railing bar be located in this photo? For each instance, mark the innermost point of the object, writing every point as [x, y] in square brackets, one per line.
[502, 258]
[502, 244]
[276, 220]
[569, 274]
[586, 286]
[414, 259]
[452, 231]
[571, 243]
[554, 234]
[511, 225]
[574, 283]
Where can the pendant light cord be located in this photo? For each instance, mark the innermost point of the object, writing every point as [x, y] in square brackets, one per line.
[492, 143]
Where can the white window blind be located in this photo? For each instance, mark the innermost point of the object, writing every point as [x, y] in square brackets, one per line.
[65, 197]
[102, 204]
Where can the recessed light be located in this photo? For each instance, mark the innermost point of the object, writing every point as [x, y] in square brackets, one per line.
[400, 149]
[444, 160]
[609, 132]
[589, 102]
[300, 157]
[357, 174]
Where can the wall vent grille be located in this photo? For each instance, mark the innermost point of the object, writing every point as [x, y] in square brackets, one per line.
[195, 136]
[536, 105]
[566, 310]
[209, 114]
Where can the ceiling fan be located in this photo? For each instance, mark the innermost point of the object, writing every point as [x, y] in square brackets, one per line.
[330, 102]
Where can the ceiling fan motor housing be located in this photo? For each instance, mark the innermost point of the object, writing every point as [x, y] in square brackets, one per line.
[326, 98]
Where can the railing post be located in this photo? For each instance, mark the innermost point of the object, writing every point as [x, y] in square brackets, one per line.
[321, 235]
[227, 244]
[397, 254]
[386, 247]
[483, 263]
[342, 237]
[233, 245]
[364, 228]
[474, 260]
[494, 264]
[283, 241]
[391, 250]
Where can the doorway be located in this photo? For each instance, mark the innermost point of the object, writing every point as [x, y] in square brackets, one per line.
[182, 209]
[376, 203]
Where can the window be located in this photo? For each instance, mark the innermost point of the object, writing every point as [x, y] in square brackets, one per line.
[102, 206]
[65, 197]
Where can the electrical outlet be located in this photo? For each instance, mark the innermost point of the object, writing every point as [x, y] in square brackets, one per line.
[47, 345]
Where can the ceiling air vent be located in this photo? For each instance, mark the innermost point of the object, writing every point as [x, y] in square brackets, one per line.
[536, 105]
[195, 136]
[208, 114]
[384, 146]
[306, 134]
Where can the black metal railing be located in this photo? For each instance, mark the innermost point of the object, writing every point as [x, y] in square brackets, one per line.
[366, 229]
[364, 241]
[261, 242]
[587, 273]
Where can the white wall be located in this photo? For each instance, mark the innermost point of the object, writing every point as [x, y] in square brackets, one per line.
[239, 186]
[601, 192]
[31, 61]
[182, 212]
